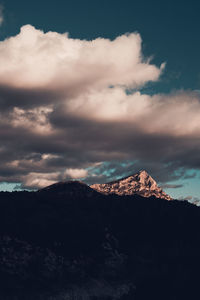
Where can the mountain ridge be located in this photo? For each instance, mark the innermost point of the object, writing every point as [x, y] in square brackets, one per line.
[147, 248]
[140, 183]
[71, 187]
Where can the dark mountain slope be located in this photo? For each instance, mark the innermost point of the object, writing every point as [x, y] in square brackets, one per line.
[70, 188]
[103, 246]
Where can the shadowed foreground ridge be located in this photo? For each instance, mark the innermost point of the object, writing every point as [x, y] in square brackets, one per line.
[68, 241]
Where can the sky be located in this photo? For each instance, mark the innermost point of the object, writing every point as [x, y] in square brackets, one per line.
[97, 90]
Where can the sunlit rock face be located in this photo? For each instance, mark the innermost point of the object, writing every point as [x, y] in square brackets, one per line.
[140, 183]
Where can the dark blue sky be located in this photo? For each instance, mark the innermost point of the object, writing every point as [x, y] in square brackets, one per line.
[169, 29]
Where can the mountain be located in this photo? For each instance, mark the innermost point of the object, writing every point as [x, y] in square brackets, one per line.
[140, 183]
[68, 241]
[69, 188]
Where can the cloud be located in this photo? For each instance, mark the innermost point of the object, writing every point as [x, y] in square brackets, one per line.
[65, 112]
[191, 199]
[54, 60]
[76, 173]
[149, 113]
[40, 180]
[171, 186]
[36, 180]
[1, 14]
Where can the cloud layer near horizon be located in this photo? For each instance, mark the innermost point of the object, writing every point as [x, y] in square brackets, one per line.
[64, 110]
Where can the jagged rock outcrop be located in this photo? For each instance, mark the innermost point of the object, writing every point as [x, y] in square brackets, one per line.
[140, 183]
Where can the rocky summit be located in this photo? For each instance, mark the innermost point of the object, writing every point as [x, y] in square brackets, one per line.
[140, 183]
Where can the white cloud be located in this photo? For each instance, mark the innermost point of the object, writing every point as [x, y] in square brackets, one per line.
[176, 114]
[35, 120]
[56, 61]
[76, 173]
[39, 180]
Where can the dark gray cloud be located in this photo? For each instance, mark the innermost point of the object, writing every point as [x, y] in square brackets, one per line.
[59, 117]
[78, 142]
[171, 186]
[27, 97]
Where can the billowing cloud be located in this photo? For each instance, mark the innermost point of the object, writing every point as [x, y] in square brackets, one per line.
[65, 112]
[53, 60]
[158, 114]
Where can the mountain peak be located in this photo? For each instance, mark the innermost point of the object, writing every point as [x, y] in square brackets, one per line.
[143, 172]
[140, 183]
[145, 179]
[69, 188]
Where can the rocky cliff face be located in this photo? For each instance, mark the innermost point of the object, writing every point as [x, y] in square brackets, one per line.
[140, 183]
